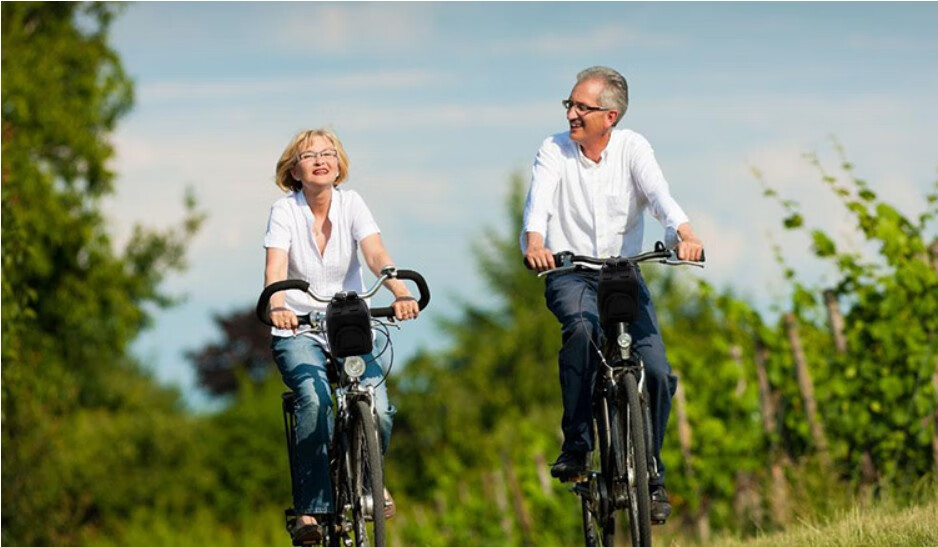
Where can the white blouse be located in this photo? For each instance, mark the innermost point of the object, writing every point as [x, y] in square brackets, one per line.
[290, 227]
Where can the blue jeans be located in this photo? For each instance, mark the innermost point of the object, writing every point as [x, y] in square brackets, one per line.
[302, 363]
[571, 297]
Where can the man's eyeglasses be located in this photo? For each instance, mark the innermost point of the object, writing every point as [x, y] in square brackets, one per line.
[581, 108]
[310, 155]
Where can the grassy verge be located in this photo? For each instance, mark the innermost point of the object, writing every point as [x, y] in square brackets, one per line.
[877, 525]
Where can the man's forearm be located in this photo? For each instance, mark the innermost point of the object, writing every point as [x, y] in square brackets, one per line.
[686, 233]
[534, 239]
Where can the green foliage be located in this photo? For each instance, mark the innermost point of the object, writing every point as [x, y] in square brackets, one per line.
[96, 453]
[489, 403]
[77, 412]
[877, 394]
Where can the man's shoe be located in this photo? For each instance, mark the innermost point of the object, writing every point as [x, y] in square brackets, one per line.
[660, 506]
[570, 466]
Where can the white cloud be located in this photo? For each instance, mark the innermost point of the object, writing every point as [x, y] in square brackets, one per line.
[892, 43]
[339, 29]
[601, 39]
[252, 88]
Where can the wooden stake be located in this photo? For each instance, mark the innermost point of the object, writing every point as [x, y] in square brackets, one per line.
[836, 320]
[805, 385]
[684, 434]
[517, 497]
[778, 489]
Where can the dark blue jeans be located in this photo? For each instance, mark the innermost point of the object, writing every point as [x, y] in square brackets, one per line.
[302, 363]
[571, 297]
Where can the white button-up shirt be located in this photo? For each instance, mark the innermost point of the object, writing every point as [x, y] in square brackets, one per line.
[290, 227]
[596, 209]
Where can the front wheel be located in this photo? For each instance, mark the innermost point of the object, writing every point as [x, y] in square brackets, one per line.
[595, 533]
[639, 501]
[367, 478]
[597, 498]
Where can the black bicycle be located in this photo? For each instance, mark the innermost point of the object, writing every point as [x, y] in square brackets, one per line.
[356, 461]
[621, 415]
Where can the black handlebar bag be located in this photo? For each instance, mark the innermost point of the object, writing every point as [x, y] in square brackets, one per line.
[348, 325]
[619, 292]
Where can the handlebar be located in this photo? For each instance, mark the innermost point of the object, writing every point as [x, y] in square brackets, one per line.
[565, 261]
[300, 285]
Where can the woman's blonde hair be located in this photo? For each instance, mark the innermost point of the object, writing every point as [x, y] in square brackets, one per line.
[288, 159]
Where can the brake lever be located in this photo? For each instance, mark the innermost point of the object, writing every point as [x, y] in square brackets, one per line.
[561, 269]
[670, 262]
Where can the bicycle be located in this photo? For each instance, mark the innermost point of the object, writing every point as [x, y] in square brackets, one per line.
[356, 463]
[621, 414]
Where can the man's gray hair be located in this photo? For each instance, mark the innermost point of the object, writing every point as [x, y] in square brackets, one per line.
[615, 94]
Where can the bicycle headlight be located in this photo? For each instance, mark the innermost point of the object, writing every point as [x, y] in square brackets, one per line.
[354, 366]
[624, 340]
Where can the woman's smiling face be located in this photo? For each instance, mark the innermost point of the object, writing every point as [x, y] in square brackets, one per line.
[317, 163]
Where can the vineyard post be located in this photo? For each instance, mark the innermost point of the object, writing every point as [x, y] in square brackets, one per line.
[701, 520]
[805, 385]
[868, 473]
[778, 495]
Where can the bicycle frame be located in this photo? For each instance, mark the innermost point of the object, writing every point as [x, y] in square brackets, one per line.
[356, 461]
[621, 420]
[347, 393]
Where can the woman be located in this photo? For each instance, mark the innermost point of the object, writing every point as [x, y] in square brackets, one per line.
[315, 233]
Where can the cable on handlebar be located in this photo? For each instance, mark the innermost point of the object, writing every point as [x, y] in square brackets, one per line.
[388, 311]
[264, 299]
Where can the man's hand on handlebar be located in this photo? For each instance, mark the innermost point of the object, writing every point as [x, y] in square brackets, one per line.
[405, 307]
[689, 250]
[282, 318]
[690, 247]
[539, 258]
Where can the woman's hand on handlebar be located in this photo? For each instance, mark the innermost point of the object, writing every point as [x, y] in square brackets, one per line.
[283, 318]
[405, 307]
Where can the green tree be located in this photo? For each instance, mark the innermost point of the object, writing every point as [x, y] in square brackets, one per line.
[879, 389]
[77, 409]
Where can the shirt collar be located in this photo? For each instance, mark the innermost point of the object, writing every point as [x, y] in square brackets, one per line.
[304, 205]
[586, 162]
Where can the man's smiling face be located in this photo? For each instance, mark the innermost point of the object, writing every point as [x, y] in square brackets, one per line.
[587, 126]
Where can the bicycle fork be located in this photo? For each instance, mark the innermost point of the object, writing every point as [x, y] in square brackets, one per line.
[624, 344]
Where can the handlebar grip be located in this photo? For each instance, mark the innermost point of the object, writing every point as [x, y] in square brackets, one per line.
[558, 259]
[264, 300]
[388, 311]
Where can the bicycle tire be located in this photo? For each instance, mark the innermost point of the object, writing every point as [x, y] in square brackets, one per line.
[597, 505]
[589, 523]
[368, 478]
[342, 491]
[592, 528]
[639, 506]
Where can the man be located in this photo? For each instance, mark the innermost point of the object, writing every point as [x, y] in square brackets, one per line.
[589, 189]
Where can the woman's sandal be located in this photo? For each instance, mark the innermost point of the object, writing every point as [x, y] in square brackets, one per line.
[389, 508]
[306, 533]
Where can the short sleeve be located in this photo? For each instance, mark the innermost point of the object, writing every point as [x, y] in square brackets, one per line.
[278, 227]
[363, 223]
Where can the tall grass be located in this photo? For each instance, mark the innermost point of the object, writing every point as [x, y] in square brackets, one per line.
[885, 523]
[874, 525]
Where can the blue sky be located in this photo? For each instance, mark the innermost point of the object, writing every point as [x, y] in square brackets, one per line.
[438, 104]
